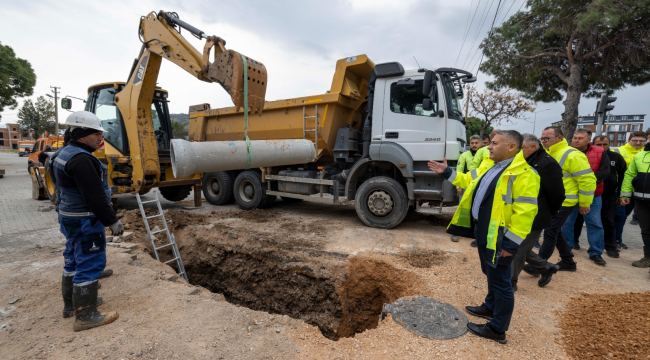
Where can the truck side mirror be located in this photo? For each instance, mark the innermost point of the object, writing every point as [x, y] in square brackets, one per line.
[429, 81]
[66, 103]
[427, 104]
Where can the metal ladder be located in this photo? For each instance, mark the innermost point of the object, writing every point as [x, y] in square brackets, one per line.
[315, 129]
[171, 240]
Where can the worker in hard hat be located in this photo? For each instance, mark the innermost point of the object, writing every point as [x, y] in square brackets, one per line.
[85, 210]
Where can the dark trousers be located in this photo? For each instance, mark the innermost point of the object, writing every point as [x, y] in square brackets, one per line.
[643, 214]
[621, 217]
[525, 253]
[607, 214]
[577, 229]
[553, 237]
[500, 299]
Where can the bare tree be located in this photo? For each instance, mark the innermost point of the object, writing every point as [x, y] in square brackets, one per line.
[498, 107]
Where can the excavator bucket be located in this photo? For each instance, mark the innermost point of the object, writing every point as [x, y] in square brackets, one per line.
[228, 70]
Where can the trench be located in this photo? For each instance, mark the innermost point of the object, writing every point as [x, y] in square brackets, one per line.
[342, 295]
[341, 303]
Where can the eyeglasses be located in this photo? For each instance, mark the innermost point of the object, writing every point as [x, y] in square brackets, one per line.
[545, 139]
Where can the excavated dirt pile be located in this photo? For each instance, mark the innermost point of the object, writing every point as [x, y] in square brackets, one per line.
[281, 273]
[607, 326]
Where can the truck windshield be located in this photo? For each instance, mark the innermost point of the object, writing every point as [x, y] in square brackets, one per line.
[452, 99]
[109, 115]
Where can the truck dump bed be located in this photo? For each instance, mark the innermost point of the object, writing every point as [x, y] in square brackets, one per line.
[312, 117]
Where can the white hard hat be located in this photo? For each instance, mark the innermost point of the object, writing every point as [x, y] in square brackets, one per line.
[84, 119]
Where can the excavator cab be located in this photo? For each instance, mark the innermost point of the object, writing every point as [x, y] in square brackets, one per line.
[101, 102]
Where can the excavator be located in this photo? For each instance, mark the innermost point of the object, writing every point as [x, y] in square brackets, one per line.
[135, 116]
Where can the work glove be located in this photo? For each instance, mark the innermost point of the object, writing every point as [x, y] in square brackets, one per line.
[117, 229]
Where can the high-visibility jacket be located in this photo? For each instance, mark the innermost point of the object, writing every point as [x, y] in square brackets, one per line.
[579, 180]
[464, 159]
[637, 178]
[464, 179]
[514, 205]
[627, 151]
[480, 155]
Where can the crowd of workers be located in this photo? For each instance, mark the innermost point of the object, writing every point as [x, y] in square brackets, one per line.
[518, 187]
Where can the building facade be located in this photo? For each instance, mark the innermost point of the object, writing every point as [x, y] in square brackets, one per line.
[10, 135]
[617, 127]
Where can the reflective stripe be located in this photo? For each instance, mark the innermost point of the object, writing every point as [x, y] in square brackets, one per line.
[85, 283]
[626, 194]
[65, 213]
[474, 174]
[526, 200]
[453, 176]
[69, 273]
[578, 173]
[60, 161]
[586, 193]
[513, 237]
[641, 195]
[565, 155]
[507, 198]
[571, 197]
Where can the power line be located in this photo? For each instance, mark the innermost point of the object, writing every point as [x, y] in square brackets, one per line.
[489, 33]
[485, 15]
[467, 29]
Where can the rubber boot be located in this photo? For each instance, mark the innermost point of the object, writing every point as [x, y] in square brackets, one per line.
[66, 291]
[84, 299]
[106, 273]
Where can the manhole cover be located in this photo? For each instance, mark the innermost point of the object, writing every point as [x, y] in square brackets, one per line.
[427, 317]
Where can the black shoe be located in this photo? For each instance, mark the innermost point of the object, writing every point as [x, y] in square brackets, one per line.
[84, 299]
[566, 266]
[623, 246]
[597, 259]
[485, 331]
[618, 247]
[479, 311]
[473, 244]
[576, 246]
[66, 291]
[546, 276]
[106, 273]
[612, 253]
[530, 270]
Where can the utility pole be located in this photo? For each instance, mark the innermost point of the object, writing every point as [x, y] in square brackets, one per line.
[56, 111]
[469, 95]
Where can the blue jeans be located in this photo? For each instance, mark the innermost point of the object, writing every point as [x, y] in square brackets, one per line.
[595, 232]
[85, 248]
[622, 212]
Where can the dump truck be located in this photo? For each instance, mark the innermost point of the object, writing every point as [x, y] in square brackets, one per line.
[372, 133]
[135, 115]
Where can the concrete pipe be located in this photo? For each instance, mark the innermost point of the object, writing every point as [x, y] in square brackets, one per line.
[189, 158]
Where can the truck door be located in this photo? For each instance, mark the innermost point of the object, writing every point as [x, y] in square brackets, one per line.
[420, 132]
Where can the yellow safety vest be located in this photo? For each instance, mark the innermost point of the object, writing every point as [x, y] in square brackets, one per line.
[464, 160]
[481, 154]
[514, 206]
[627, 151]
[639, 167]
[578, 178]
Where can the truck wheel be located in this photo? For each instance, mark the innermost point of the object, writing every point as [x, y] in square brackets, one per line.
[381, 202]
[217, 187]
[50, 189]
[175, 193]
[249, 192]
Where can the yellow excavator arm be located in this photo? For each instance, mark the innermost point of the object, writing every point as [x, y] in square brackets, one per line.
[161, 39]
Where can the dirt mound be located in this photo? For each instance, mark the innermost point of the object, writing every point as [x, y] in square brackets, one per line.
[423, 258]
[607, 326]
[257, 215]
[176, 219]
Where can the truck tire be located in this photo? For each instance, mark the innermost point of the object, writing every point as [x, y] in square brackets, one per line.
[50, 189]
[176, 193]
[249, 192]
[381, 202]
[217, 187]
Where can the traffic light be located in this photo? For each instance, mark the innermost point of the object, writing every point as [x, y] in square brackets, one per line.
[604, 106]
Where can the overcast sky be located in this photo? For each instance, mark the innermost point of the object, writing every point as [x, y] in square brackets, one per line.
[74, 44]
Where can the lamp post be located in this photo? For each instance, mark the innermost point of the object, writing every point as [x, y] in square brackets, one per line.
[534, 121]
